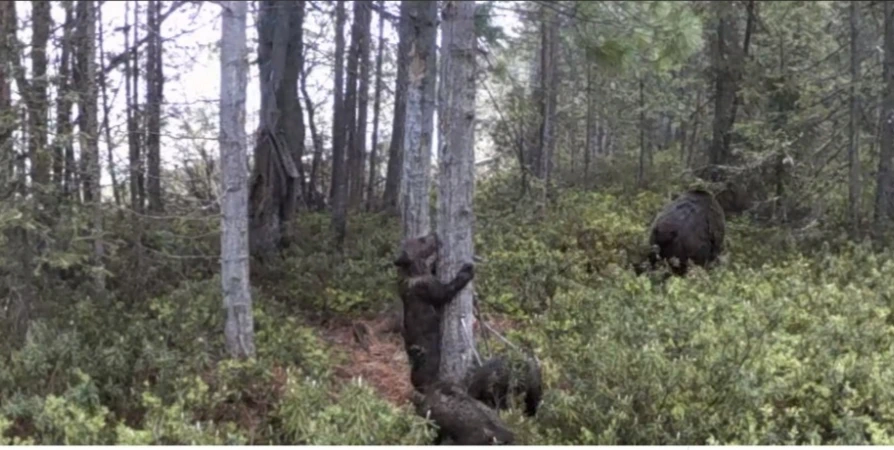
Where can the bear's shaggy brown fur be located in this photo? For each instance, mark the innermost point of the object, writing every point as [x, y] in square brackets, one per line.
[424, 298]
[501, 377]
[461, 419]
[690, 229]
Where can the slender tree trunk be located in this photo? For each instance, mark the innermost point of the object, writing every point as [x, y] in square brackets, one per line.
[394, 173]
[110, 144]
[549, 86]
[884, 199]
[274, 182]
[154, 98]
[38, 102]
[416, 179]
[339, 185]
[239, 328]
[362, 19]
[377, 100]
[457, 181]
[62, 139]
[317, 198]
[642, 133]
[134, 136]
[588, 151]
[85, 80]
[7, 114]
[853, 154]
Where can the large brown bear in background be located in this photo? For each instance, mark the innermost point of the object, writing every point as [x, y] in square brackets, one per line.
[690, 229]
[424, 298]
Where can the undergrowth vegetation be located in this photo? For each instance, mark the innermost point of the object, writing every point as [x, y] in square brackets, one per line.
[787, 342]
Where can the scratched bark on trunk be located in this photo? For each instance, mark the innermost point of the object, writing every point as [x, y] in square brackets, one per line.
[239, 328]
[456, 183]
[416, 179]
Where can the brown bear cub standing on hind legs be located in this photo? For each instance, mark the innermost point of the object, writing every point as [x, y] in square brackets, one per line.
[690, 229]
[460, 418]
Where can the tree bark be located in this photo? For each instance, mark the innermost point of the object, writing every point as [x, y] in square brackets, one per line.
[884, 199]
[106, 111]
[38, 102]
[394, 173]
[274, 182]
[588, 148]
[457, 181]
[853, 154]
[339, 185]
[85, 69]
[421, 77]
[134, 137]
[239, 328]
[642, 133]
[726, 65]
[377, 100]
[154, 98]
[549, 29]
[62, 140]
[7, 114]
[317, 198]
[361, 34]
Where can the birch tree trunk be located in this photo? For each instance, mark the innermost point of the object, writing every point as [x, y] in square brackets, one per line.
[456, 156]
[416, 179]
[234, 259]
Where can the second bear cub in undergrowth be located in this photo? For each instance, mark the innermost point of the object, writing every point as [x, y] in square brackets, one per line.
[424, 297]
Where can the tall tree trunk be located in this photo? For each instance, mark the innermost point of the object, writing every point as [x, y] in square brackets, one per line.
[317, 198]
[234, 270]
[549, 30]
[38, 102]
[642, 132]
[62, 140]
[134, 136]
[394, 172]
[726, 65]
[588, 148]
[416, 178]
[377, 100]
[360, 31]
[339, 185]
[884, 199]
[274, 183]
[853, 154]
[85, 80]
[154, 98]
[456, 185]
[7, 113]
[106, 111]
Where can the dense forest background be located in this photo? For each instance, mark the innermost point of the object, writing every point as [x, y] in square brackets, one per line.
[543, 143]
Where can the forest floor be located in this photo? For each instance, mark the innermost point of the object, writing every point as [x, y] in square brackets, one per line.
[372, 349]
